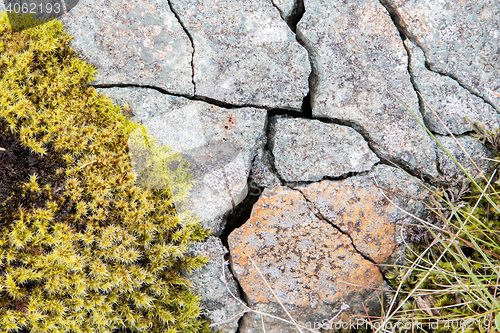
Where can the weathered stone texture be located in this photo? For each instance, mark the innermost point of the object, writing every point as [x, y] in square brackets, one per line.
[308, 150]
[245, 53]
[217, 298]
[133, 42]
[359, 208]
[474, 148]
[285, 7]
[448, 99]
[461, 38]
[309, 264]
[263, 172]
[218, 143]
[361, 70]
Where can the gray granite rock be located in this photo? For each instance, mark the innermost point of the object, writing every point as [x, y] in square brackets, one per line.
[263, 171]
[448, 99]
[360, 68]
[133, 42]
[311, 266]
[285, 7]
[474, 148]
[308, 150]
[461, 38]
[245, 53]
[218, 143]
[218, 297]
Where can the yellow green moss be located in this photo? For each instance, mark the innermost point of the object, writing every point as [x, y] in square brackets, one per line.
[83, 248]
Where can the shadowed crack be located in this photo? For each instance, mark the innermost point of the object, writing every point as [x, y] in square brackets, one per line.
[190, 97]
[191, 40]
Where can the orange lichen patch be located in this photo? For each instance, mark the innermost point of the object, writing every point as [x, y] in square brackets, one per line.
[359, 209]
[307, 262]
[231, 121]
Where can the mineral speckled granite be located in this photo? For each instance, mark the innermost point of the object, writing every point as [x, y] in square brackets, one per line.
[245, 53]
[135, 42]
[360, 72]
[308, 150]
[308, 119]
[461, 39]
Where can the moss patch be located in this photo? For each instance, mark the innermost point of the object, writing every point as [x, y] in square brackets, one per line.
[82, 247]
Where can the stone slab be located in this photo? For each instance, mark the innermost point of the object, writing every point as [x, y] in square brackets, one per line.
[360, 72]
[245, 54]
[311, 267]
[452, 103]
[219, 144]
[461, 39]
[133, 42]
[358, 207]
[308, 150]
[219, 301]
[473, 148]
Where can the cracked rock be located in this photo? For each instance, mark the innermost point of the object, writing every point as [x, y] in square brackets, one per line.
[245, 54]
[219, 144]
[474, 148]
[358, 208]
[461, 39]
[134, 42]
[263, 172]
[311, 266]
[448, 99]
[360, 72]
[217, 301]
[285, 7]
[308, 150]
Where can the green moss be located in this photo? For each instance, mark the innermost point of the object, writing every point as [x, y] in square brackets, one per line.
[83, 248]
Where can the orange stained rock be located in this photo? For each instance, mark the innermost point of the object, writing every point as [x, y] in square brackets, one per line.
[307, 262]
[359, 209]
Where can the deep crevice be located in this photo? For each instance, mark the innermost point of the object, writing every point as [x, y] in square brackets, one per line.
[190, 38]
[238, 216]
[320, 216]
[402, 27]
[166, 92]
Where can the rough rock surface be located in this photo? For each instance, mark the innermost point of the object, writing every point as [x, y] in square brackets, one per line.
[360, 71]
[218, 300]
[286, 7]
[263, 172]
[310, 265]
[218, 143]
[308, 150]
[461, 39]
[245, 53]
[448, 99]
[133, 42]
[474, 148]
[358, 207]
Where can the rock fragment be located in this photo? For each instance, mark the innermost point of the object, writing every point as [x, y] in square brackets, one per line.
[360, 72]
[311, 267]
[448, 99]
[474, 148]
[245, 54]
[461, 39]
[217, 298]
[263, 172]
[218, 143]
[133, 42]
[308, 150]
